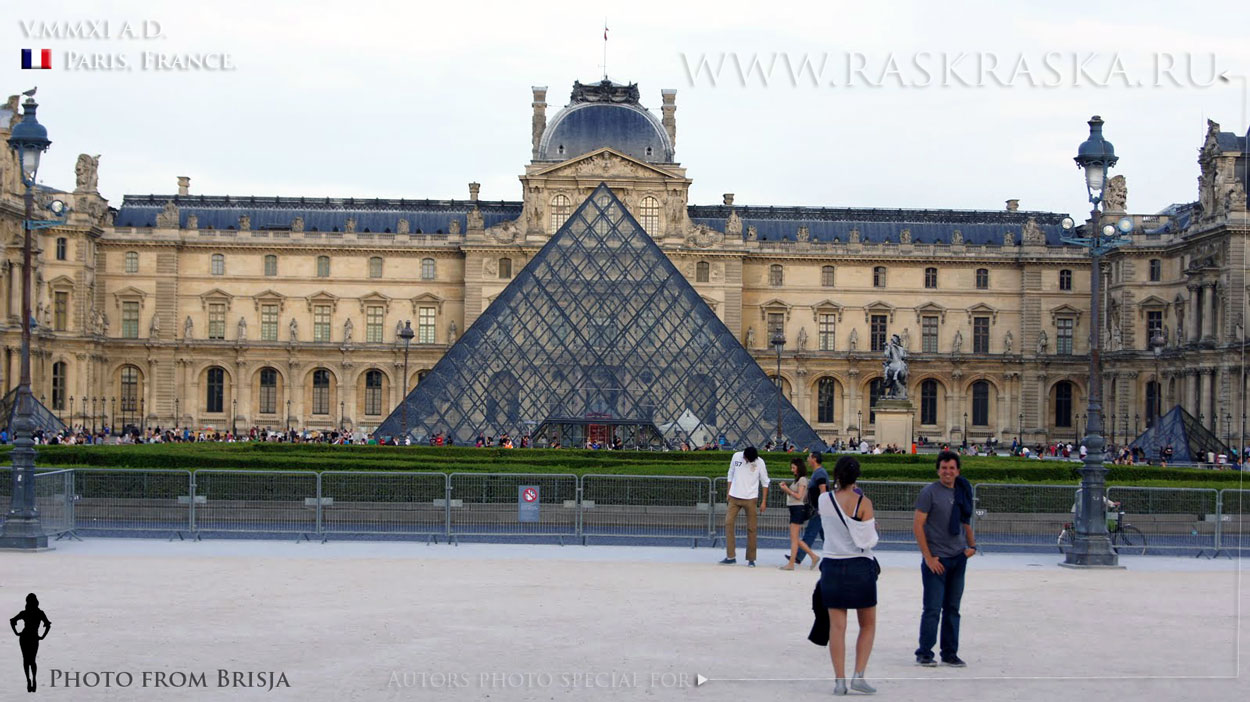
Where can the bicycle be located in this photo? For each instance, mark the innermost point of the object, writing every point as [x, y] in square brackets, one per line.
[1125, 538]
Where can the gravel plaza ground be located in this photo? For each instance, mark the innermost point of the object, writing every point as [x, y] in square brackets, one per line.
[402, 621]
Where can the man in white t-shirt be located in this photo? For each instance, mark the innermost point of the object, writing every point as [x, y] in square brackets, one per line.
[747, 475]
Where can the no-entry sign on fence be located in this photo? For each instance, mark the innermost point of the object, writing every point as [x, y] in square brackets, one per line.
[527, 503]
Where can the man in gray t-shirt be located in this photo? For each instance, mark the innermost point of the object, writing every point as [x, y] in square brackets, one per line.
[946, 557]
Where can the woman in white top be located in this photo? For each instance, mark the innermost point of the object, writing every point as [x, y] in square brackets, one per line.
[848, 571]
[796, 502]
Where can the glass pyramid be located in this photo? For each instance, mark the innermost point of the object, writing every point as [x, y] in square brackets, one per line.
[1190, 441]
[44, 419]
[600, 339]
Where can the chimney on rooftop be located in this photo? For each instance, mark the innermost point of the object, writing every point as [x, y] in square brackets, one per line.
[184, 185]
[538, 123]
[669, 110]
[1013, 205]
[474, 188]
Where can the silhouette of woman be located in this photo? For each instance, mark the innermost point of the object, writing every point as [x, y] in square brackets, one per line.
[29, 637]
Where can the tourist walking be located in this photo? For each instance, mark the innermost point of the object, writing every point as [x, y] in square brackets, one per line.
[748, 482]
[848, 572]
[796, 502]
[817, 484]
[943, 530]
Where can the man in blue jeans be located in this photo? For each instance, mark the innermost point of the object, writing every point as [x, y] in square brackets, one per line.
[817, 483]
[944, 533]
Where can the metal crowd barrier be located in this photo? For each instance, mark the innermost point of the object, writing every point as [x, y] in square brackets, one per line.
[600, 508]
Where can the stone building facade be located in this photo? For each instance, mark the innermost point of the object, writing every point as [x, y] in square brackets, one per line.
[213, 311]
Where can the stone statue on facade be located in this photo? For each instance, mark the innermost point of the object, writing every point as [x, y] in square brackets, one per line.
[451, 333]
[167, 218]
[294, 327]
[802, 338]
[733, 226]
[803, 235]
[1009, 239]
[85, 173]
[854, 236]
[957, 238]
[399, 329]
[193, 222]
[1007, 341]
[475, 220]
[245, 223]
[1117, 338]
[1115, 196]
[750, 337]
[297, 224]
[187, 327]
[104, 324]
[853, 342]
[1042, 342]
[241, 332]
[906, 338]
[752, 233]
[154, 329]
[401, 227]
[453, 227]
[957, 344]
[895, 367]
[348, 329]
[904, 236]
[1032, 233]
[350, 225]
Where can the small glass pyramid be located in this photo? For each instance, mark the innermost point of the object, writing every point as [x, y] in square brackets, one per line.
[600, 339]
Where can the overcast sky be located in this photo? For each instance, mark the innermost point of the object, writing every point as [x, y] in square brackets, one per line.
[915, 104]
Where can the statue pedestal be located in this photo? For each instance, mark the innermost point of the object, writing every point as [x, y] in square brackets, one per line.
[895, 420]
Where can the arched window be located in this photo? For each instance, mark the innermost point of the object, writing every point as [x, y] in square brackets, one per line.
[215, 390]
[271, 265]
[702, 272]
[1153, 402]
[59, 371]
[776, 275]
[875, 390]
[130, 390]
[373, 392]
[505, 268]
[1063, 404]
[825, 393]
[826, 276]
[1065, 279]
[649, 215]
[375, 266]
[928, 402]
[268, 390]
[132, 262]
[321, 391]
[983, 279]
[62, 248]
[878, 276]
[561, 208]
[427, 269]
[323, 266]
[218, 264]
[980, 403]
[930, 277]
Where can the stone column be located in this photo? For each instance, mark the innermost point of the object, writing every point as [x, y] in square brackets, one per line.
[1208, 312]
[1192, 327]
[1191, 391]
[1204, 396]
[1043, 405]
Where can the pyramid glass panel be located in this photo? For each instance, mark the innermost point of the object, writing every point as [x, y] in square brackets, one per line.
[600, 339]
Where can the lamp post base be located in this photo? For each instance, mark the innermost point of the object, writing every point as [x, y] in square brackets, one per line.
[21, 534]
[1092, 553]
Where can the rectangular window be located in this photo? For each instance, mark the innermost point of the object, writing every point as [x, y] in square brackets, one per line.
[373, 324]
[980, 334]
[877, 332]
[271, 265]
[776, 325]
[60, 311]
[321, 323]
[1154, 323]
[268, 391]
[130, 320]
[1156, 269]
[1063, 342]
[826, 276]
[425, 325]
[929, 333]
[217, 320]
[268, 322]
[826, 331]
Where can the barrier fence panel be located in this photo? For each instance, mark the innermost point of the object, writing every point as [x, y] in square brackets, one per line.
[268, 502]
[1170, 519]
[111, 500]
[1022, 515]
[1234, 522]
[493, 504]
[388, 503]
[54, 495]
[639, 506]
[894, 504]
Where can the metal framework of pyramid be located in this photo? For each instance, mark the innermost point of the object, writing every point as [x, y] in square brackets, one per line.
[1190, 441]
[600, 338]
[43, 417]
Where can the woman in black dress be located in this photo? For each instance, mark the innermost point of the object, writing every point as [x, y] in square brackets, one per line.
[29, 637]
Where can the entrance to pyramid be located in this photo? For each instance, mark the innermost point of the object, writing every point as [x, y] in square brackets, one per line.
[600, 340]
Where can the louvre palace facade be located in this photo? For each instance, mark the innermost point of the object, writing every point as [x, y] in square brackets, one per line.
[218, 311]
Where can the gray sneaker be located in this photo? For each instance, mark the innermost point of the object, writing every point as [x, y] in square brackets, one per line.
[858, 684]
[839, 686]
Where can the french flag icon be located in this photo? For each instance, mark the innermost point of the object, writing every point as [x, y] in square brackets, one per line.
[36, 58]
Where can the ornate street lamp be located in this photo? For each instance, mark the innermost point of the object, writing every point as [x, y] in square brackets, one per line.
[288, 415]
[965, 438]
[71, 414]
[1092, 545]
[113, 416]
[406, 334]
[22, 529]
[859, 423]
[1020, 435]
[234, 417]
[177, 417]
[1158, 341]
[778, 340]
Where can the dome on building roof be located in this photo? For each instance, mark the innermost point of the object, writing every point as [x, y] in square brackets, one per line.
[605, 114]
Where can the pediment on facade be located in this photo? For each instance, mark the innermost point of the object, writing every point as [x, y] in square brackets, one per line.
[602, 163]
[931, 308]
[826, 307]
[129, 294]
[269, 297]
[1064, 311]
[373, 299]
[980, 310]
[322, 298]
[216, 295]
[775, 305]
[878, 307]
[61, 282]
[1153, 301]
[426, 299]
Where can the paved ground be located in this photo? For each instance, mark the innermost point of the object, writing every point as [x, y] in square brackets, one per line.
[399, 621]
